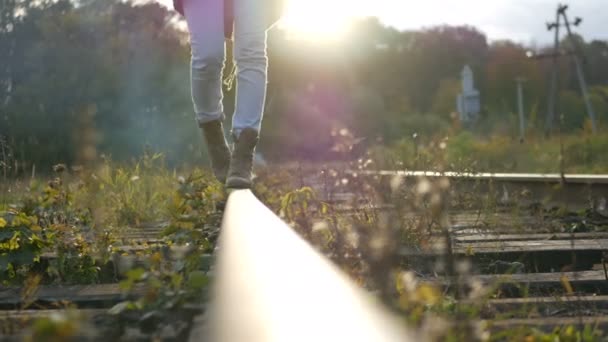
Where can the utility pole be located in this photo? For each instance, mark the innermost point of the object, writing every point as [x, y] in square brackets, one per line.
[520, 108]
[579, 70]
[553, 87]
[576, 56]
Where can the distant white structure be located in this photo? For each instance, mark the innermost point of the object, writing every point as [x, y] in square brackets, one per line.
[468, 102]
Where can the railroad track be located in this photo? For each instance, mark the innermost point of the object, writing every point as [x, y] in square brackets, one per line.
[548, 269]
[573, 190]
[542, 249]
[545, 276]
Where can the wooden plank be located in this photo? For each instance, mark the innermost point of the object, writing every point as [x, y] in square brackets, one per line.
[544, 278]
[348, 208]
[28, 315]
[592, 300]
[132, 250]
[72, 293]
[499, 247]
[138, 236]
[538, 305]
[503, 229]
[536, 280]
[470, 238]
[504, 223]
[531, 246]
[520, 222]
[507, 224]
[548, 322]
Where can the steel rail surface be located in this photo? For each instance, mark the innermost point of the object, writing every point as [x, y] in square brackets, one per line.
[514, 177]
[271, 285]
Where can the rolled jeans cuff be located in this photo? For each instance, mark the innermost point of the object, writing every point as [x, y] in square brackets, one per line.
[203, 118]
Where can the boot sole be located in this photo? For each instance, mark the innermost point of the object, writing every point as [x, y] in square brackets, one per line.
[238, 183]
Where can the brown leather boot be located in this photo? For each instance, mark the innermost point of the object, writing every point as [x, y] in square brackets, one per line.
[217, 147]
[241, 164]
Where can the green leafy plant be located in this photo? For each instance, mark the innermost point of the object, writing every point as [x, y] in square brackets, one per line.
[21, 243]
[193, 213]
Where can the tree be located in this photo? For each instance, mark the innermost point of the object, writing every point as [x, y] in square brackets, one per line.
[506, 62]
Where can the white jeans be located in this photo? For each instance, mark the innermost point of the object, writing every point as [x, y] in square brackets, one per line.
[206, 25]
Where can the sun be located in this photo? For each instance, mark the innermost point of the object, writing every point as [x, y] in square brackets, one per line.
[321, 19]
[318, 19]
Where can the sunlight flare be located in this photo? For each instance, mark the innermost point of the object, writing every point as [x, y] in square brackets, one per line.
[319, 19]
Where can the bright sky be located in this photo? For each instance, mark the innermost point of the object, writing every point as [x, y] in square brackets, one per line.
[520, 20]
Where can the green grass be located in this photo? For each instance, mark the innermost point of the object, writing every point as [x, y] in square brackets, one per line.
[572, 153]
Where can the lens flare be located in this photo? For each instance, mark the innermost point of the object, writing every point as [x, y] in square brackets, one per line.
[319, 19]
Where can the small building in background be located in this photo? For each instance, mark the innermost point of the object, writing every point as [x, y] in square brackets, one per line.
[468, 104]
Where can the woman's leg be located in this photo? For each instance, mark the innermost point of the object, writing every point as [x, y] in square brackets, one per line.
[205, 20]
[252, 63]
